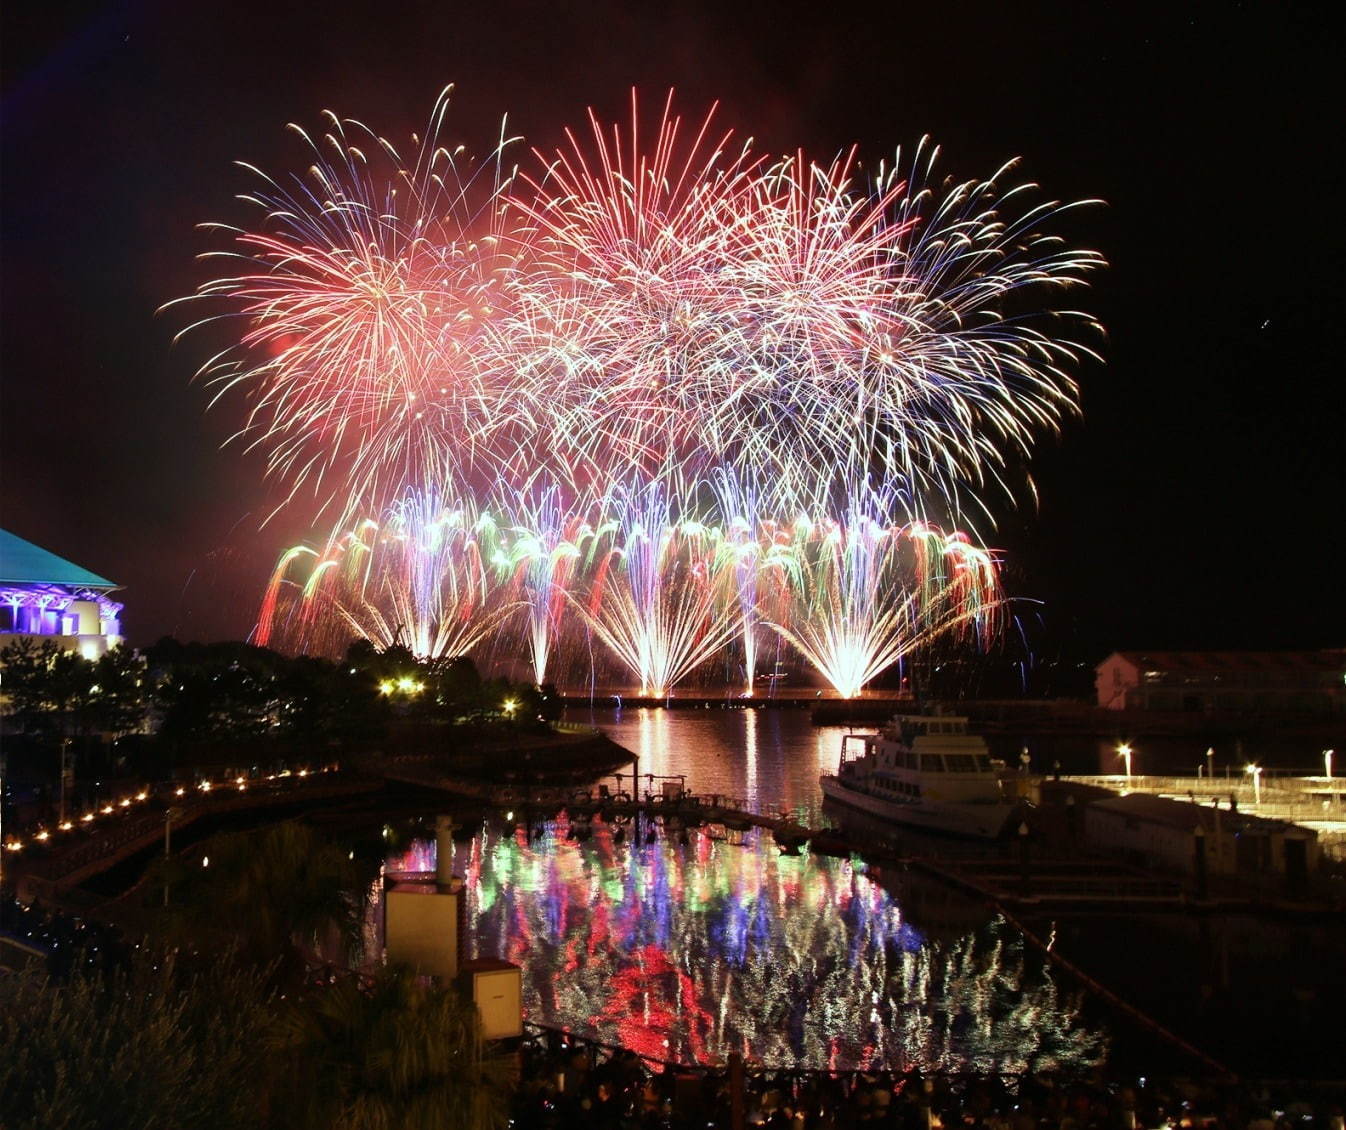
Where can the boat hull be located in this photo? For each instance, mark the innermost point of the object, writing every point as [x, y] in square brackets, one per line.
[974, 820]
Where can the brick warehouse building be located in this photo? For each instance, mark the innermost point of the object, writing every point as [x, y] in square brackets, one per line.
[1217, 682]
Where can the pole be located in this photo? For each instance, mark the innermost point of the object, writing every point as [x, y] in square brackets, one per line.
[1023, 860]
[443, 852]
[1199, 847]
[65, 773]
[169, 813]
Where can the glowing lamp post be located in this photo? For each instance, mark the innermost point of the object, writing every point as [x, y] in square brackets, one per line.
[1255, 771]
[1124, 752]
[1327, 763]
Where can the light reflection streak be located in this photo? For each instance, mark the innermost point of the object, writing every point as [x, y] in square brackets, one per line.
[750, 752]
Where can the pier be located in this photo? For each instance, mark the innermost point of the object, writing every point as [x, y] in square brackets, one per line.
[1314, 802]
[1027, 873]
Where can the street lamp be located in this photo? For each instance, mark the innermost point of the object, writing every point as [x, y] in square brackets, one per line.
[1124, 752]
[1256, 773]
[1327, 763]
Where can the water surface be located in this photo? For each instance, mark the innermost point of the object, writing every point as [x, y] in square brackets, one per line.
[688, 951]
[770, 758]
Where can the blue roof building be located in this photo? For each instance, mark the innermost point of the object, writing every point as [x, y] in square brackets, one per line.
[47, 597]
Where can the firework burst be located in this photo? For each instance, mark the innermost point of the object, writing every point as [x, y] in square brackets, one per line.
[368, 301]
[692, 306]
[640, 361]
[622, 305]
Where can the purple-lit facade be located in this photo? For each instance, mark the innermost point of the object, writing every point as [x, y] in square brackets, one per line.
[45, 597]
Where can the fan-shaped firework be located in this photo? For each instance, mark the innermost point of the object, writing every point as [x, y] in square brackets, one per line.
[657, 598]
[541, 560]
[663, 590]
[862, 595]
[421, 580]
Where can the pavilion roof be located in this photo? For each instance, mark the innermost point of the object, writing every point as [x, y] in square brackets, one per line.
[23, 563]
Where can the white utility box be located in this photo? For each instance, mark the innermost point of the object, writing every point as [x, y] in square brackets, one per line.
[497, 988]
[421, 928]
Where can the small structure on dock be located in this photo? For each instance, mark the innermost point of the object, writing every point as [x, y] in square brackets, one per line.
[1183, 837]
[496, 987]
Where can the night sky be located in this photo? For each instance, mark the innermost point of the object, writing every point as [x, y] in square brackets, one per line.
[1197, 503]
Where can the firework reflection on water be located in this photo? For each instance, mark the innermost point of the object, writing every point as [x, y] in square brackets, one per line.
[690, 951]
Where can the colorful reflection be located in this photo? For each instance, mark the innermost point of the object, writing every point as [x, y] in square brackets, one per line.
[688, 951]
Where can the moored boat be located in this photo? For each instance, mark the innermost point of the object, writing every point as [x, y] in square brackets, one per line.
[924, 771]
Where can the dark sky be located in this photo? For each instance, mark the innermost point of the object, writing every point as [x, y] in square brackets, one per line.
[1198, 503]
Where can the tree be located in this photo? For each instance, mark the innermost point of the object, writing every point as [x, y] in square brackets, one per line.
[154, 1046]
[393, 1052]
[120, 699]
[272, 894]
[25, 676]
[324, 702]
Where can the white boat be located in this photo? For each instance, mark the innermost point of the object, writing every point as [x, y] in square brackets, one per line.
[924, 771]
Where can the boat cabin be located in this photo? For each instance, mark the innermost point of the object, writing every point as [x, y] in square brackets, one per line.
[921, 757]
[936, 744]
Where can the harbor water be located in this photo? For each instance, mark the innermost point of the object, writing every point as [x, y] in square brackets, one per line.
[686, 944]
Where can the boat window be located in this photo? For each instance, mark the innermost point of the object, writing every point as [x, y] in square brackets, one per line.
[960, 762]
[932, 763]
